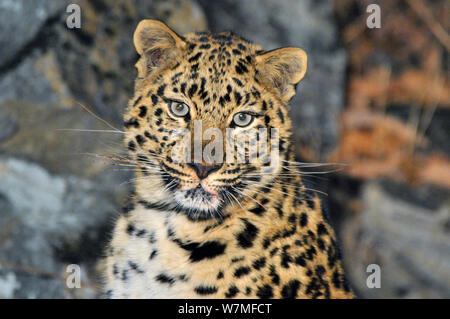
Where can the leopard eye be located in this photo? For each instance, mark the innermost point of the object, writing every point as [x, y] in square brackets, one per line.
[243, 119]
[179, 109]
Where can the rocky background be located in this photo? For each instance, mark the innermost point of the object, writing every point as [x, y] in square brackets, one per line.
[375, 99]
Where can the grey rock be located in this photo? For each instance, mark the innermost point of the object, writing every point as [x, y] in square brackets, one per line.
[20, 22]
[408, 240]
[8, 125]
[306, 24]
[41, 137]
[37, 80]
[42, 217]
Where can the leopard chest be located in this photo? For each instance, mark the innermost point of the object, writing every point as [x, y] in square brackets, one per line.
[150, 260]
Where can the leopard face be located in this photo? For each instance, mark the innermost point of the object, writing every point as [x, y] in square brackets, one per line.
[197, 94]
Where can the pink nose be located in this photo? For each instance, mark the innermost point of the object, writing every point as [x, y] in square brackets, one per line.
[204, 170]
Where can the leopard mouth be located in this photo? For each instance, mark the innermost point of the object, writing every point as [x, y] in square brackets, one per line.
[198, 199]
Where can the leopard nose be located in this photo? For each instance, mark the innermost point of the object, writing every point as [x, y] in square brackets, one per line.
[204, 170]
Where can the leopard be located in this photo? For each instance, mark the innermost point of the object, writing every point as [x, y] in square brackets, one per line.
[209, 228]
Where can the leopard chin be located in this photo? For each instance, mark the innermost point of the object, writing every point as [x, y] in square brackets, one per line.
[198, 200]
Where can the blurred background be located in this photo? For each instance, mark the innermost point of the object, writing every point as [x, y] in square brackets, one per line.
[375, 99]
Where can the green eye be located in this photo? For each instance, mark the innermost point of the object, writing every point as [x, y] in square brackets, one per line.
[179, 109]
[242, 119]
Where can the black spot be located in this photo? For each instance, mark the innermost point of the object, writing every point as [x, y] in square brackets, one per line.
[264, 106]
[132, 146]
[220, 275]
[238, 98]
[242, 47]
[321, 244]
[176, 76]
[195, 57]
[236, 259]
[206, 290]
[258, 210]
[310, 253]
[247, 236]
[300, 261]
[165, 279]
[141, 233]
[135, 267]
[116, 270]
[241, 271]
[290, 290]
[285, 259]
[125, 275]
[236, 52]
[158, 111]
[274, 275]
[265, 292]
[321, 229]
[336, 279]
[183, 87]
[222, 101]
[192, 90]
[259, 263]
[320, 270]
[161, 89]
[310, 202]
[274, 251]
[154, 99]
[131, 123]
[128, 208]
[232, 291]
[155, 205]
[207, 250]
[205, 46]
[192, 46]
[152, 238]
[241, 68]
[303, 219]
[140, 139]
[238, 82]
[153, 254]
[130, 229]
[280, 115]
[137, 100]
[142, 111]
[266, 243]
[292, 218]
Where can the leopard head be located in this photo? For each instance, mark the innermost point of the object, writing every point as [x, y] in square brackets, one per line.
[202, 102]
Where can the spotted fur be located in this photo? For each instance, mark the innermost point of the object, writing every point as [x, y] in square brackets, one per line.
[274, 243]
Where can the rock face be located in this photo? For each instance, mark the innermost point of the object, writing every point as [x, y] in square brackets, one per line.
[405, 232]
[47, 220]
[20, 22]
[306, 24]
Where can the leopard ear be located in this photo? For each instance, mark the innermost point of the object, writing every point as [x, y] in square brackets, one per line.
[157, 44]
[282, 69]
